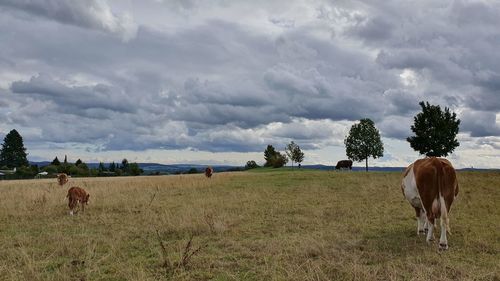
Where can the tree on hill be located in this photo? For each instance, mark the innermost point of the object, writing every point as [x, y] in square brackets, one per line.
[13, 153]
[294, 153]
[274, 158]
[435, 131]
[363, 142]
[56, 162]
[269, 154]
[78, 162]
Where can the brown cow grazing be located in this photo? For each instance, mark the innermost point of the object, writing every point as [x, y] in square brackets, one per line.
[344, 164]
[208, 172]
[77, 195]
[430, 185]
[62, 179]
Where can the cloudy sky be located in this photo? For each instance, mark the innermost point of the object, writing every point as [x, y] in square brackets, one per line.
[215, 81]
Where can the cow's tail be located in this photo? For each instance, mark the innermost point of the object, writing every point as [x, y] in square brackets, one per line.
[441, 183]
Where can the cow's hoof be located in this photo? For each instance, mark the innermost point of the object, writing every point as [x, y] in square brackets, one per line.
[443, 246]
[421, 232]
[426, 230]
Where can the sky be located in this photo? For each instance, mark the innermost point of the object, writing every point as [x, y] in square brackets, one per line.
[216, 81]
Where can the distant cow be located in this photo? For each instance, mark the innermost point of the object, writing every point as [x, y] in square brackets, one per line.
[77, 195]
[62, 179]
[430, 185]
[344, 164]
[208, 172]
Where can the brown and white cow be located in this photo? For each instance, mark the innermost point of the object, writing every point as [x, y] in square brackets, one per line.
[62, 179]
[208, 172]
[430, 185]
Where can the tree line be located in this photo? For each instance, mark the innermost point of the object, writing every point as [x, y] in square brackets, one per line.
[434, 129]
[13, 158]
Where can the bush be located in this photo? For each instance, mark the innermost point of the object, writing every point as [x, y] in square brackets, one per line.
[251, 165]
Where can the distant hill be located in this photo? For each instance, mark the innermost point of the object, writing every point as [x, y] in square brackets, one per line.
[152, 168]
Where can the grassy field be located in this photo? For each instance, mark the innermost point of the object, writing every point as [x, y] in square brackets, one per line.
[260, 225]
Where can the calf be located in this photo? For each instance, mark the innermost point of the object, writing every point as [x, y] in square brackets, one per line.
[77, 195]
[430, 185]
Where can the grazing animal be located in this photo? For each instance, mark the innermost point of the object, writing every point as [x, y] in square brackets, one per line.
[77, 195]
[430, 185]
[344, 164]
[208, 172]
[62, 179]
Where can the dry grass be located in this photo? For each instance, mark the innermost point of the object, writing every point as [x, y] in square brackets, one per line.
[278, 225]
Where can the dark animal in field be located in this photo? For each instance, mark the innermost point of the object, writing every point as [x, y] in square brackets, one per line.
[62, 179]
[344, 164]
[430, 185]
[77, 195]
[208, 172]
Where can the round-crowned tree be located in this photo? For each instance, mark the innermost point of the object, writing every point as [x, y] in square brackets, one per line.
[435, 131]
[363, 142]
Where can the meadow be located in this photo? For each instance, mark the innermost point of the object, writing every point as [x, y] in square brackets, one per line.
[258, 225]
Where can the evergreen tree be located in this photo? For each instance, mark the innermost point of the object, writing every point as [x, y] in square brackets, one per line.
[363, 142]
[101, 167]
[13, 153]
[65, 160]
[55, 162]
[435, 131]
[78, 162]
[269, 154]
[112, 167]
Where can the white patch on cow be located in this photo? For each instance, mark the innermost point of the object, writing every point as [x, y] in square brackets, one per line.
[410, 190]
[71, 212]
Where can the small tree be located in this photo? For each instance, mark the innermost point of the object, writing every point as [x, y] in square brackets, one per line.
[251, 165]
[435, 131]
[13, 153]
[294, 153]
[364, 141]
[135, 170]
[279, 160]
[124, 165]
[78, 162]
[101, 167]
[112, 167]
[269, 154]
[55, 162]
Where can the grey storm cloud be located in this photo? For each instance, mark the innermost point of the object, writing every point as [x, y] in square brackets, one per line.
[205, 77]
[91, 14]
[100, 96]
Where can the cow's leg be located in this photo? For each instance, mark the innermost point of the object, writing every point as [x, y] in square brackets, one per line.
[443, 242]
[83, 207]
[421, 220]
[430, 232]
[71, 205]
